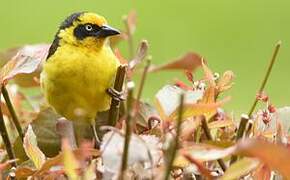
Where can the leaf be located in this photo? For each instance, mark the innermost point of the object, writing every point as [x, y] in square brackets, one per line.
[225, 82]
[190, 61]
[26, 61]
[240, 168]
[167, 99]
[204, 152]
[70, 162]
[209, 76]
[140, 55]
[24, 172]
[31, 148]
[274, 155]
[220, 124]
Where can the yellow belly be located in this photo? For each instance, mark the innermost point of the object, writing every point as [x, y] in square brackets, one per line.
[74, 81]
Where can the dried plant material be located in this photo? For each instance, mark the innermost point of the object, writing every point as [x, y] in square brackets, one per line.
[274, 155]
[225, 82]
[167, 100]
[190, 62]
[220, 124]
[26, 61]
[241, 168]
[140, 55]
[32, 150]
[131, 21]
[143, 149]
[205, 152]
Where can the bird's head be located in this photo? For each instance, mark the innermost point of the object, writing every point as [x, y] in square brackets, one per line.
[85, 29]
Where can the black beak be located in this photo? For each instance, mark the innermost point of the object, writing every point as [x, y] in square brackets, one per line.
[107, 31]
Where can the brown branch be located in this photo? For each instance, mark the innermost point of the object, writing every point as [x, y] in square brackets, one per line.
[174, 145]
[115, 104]
[12, 112]
[129, 124]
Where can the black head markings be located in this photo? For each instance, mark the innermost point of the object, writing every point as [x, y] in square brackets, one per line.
[65, 24]
[86, 30]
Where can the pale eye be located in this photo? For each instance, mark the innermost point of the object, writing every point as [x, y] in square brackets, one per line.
[89, 27]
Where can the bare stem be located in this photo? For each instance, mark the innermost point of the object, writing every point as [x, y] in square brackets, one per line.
[129, 124]
[12, 112]
[208, 135]
[173, 148]
[266, 77]
[115, 104]
[143, 78]
[240, 133]
[6, 140]
[130, 39]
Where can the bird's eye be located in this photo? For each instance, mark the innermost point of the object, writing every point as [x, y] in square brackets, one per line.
[89, 27]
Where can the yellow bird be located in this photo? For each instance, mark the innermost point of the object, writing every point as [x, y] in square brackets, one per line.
[80, 68]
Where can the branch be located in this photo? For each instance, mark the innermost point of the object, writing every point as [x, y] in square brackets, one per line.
[6, 140]
[115, 104]
[12, 112]
[129, 124]
[174, 145]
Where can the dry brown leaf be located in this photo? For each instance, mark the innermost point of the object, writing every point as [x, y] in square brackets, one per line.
[190, 61]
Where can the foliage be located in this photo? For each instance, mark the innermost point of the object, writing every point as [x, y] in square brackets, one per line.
[194, 137]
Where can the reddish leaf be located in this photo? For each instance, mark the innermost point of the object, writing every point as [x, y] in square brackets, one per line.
[26, 61]
[24, 172]
[190, 61]
[274, 155]
[263, 172]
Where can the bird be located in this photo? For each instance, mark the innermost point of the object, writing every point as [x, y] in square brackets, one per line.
[80, 68]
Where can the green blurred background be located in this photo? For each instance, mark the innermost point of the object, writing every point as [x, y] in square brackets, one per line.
[230, 34]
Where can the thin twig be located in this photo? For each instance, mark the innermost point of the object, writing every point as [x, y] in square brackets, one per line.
[115, 104]
[173, 148]
[264, 82]
[240, 133]
[6, 140]
[208, 135]
[143, 78]
[129, 124]
[130, 39]
[12, 112]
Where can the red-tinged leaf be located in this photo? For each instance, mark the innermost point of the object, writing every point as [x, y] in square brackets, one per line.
[167, 99]
[197, 109]
[24, 172]
[131, 21]
[240, 168]
[31, 148]
[190, 61]
[274, 155]
[263, 172]
[182, 85]
[205, 152]
[220, 124]
[26, 61]
[202, 169]
[70, 162]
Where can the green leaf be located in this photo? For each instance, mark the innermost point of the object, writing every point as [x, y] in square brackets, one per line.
[240, 168]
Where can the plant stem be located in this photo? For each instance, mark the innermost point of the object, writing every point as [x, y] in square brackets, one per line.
[143, 78]
[130, 39]
[208, 135]
[129, 124]
[173, 148]
[240, 133]
[264, 82]
[115, 104]
[6, 140]
[12, 112]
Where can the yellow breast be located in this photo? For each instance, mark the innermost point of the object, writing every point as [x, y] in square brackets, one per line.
[75, 79]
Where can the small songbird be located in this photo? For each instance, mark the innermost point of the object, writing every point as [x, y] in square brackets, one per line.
[80, 68]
